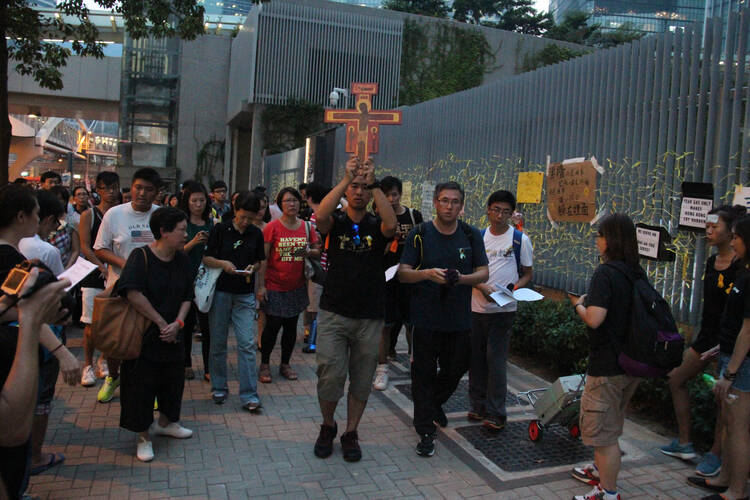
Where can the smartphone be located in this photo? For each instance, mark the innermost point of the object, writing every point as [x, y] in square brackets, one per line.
[245, 271]
[573, 294]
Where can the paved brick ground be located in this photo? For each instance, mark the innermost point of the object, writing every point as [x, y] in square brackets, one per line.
[234, 454]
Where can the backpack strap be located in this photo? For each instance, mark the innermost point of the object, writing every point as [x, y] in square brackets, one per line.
[418, 240]
[517, 239]
[484, 231]
[411, 216]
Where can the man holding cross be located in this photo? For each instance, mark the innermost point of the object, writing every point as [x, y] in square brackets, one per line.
[352, 306]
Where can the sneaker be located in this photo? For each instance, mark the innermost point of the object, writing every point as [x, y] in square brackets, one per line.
[88, 378]
[324, 443]
[426, 445]
[675, 449]
[174, 430]
[440, 418]
[252, 406]
[597, 493]
[709, 466]
[381, 378]
[494, 423]
[107, 392]
[350, 446]
[102, 370]
[219, 397]
[144, 450]
[586, 474]
[308, 349]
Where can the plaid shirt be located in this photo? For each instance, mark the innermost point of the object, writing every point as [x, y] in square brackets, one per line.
[61, 240]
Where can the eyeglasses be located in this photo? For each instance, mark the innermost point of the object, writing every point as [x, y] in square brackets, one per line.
[504, 211]
[356, 239]
[449, 203]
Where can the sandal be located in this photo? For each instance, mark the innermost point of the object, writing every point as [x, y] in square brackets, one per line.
[287, 372]
[264, 374]
[54, 459]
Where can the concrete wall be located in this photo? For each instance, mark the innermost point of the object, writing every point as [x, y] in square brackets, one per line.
[204, 79]
[91, 89]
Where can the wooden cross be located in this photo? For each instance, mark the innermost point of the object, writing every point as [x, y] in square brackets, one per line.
[362, 123]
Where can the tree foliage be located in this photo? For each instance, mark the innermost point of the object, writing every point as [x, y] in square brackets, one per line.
[25, 29]
[433, 8]
[285, 126]
[576, 28]
[551, 54]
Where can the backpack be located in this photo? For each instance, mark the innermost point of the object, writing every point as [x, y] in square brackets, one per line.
[652, 346]
[466, 228]
[517, 239]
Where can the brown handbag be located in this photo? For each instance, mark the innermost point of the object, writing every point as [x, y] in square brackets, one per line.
[117, 328]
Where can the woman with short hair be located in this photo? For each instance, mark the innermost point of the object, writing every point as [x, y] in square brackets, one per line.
[158, 281]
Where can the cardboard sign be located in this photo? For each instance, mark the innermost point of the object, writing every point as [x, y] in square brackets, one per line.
[428, 191]
[697, 201]
[529, 188]
[742, 196]
[653, 241]
[571, 191]
[406, 194]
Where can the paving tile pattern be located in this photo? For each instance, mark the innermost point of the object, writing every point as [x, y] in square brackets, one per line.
[459, 402]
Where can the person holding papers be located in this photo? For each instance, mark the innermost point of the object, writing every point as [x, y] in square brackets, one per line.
[510, 257]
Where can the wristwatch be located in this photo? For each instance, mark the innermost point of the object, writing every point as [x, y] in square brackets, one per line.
[374, 185]
[729, 376]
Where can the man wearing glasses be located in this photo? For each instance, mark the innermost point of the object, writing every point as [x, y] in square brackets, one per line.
[444, 258]
[219, 195]
[352, 306]
[510, 256]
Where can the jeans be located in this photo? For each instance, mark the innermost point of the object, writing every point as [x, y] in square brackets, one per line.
[488, 370]
[432, 388]
[240, 309]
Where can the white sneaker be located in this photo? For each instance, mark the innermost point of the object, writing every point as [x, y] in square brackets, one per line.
[381, 378]
[87, 377]
[145, 450]
[102, 368]
[174, 430]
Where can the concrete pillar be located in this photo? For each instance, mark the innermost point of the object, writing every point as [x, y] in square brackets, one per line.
[241, 171]
[256, 148]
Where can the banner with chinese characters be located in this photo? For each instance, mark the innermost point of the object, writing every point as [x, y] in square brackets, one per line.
[571, 191]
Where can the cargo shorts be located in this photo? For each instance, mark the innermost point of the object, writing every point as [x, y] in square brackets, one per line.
[603, 407]
[346, 346]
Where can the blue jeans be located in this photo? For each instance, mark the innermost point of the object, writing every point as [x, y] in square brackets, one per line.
[240, 309]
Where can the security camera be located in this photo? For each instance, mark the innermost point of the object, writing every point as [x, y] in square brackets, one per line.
[333, 97]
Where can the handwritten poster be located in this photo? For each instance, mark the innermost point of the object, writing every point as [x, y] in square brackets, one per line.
[529, 188]
[648, 242]
[742, 196]
[428, 190]
[571, 191]
[697, 201]
[406, 194]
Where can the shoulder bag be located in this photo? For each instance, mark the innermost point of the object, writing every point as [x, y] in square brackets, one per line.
[117, 328]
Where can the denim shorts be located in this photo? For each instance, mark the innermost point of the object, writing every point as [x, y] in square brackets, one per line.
[742, 382]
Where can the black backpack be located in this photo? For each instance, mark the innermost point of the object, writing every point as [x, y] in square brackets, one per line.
[652, 346]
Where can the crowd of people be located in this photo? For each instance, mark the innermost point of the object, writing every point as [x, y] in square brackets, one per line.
[148, 246]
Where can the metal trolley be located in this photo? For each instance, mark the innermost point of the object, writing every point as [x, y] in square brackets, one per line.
[558, 404]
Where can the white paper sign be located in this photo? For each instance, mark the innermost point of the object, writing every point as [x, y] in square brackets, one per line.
[742, 196]
[503, 296]
[693, 212]
[390, 273]
[648, 242]
[428, 191]
[77, 271]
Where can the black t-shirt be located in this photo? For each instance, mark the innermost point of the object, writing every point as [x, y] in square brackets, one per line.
[611, 290]
[736, 311]
[437, 307]
[716, 288]
[241, 249]
[166, 285]
[404, 223]
[355, 283]
[13, 458]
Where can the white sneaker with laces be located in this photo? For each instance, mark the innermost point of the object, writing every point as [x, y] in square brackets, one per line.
[597, 493]
[174, 430]
[381, 378]
[102, 368]
[145, 450]
[88, 378]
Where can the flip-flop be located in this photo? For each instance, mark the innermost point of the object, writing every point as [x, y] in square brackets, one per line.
[702, 482]
[54, 460]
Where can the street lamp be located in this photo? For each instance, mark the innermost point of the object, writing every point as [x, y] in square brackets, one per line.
[336, 94]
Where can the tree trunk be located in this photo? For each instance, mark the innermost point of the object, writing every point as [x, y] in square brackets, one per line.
[6, 132]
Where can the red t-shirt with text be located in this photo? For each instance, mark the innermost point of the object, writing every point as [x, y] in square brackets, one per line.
[285, 271]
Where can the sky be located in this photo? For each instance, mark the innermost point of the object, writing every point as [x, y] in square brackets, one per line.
[541, 5]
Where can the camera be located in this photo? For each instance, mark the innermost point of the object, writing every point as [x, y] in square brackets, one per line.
[19, 274]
